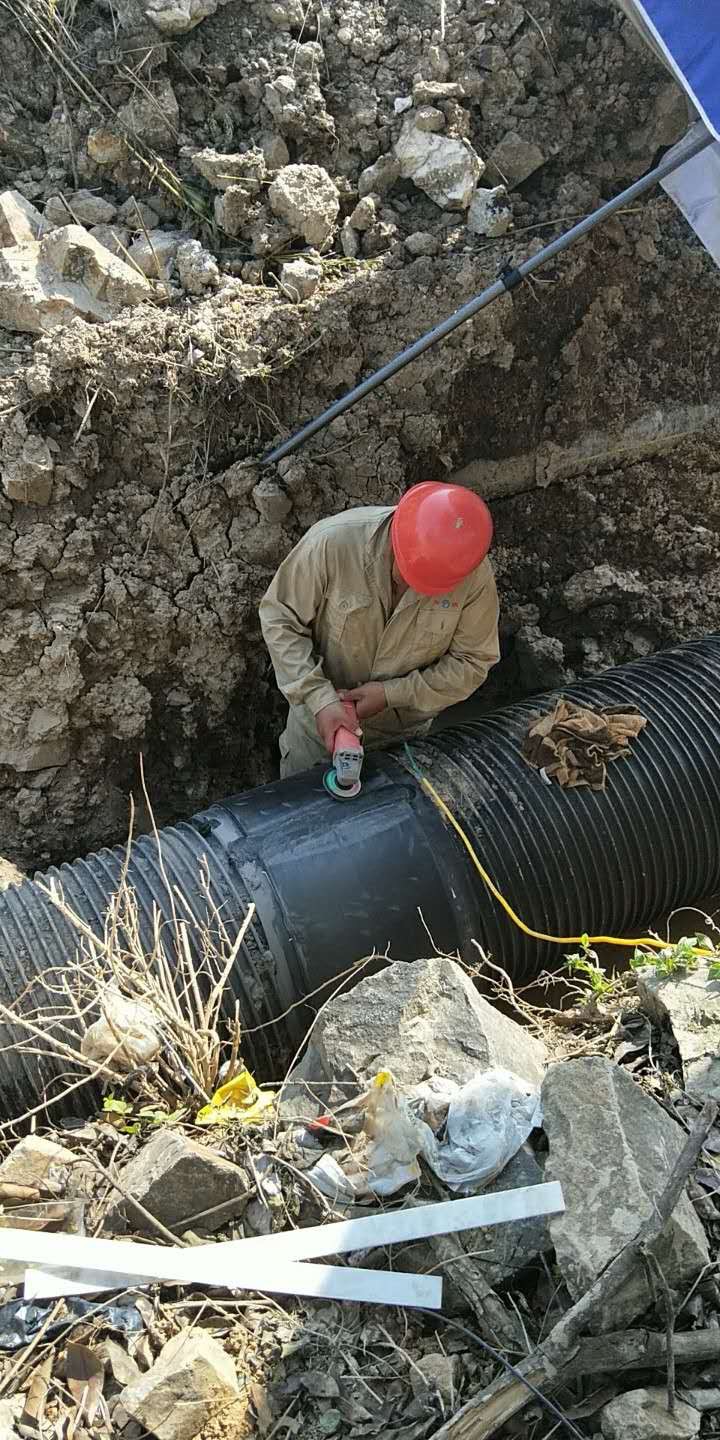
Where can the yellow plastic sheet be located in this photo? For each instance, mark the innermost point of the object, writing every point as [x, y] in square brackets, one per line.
[239, 1100]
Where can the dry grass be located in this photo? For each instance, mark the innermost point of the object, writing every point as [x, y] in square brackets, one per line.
[161, 1003]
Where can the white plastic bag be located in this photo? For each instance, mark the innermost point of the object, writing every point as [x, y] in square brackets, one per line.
[126, 1033]
[487, 1122]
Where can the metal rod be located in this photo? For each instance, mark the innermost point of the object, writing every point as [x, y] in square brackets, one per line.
[500, 287]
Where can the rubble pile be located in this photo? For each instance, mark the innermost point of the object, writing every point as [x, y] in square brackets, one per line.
[391, 1059]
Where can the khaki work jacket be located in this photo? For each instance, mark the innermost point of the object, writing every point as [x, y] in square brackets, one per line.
[328, 623]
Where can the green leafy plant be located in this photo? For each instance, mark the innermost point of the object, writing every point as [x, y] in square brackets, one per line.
[679, 958]
[585, 964]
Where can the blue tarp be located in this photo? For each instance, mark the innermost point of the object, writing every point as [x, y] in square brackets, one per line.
[688, 32]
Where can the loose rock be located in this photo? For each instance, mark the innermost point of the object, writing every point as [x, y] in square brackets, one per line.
[20, 222]
[152, 252]
[82, 208]
[176, 17]
[516, 159]
[489, 212]
[365, 213]
[36, 1162]
[175, 1179]
[416, 1020]
[689, 1004]
[445, 169]
[114, 238]
[612, 1149]
[271, 501]
[421, 242]
[191, 1379]
[305, 197]
[377, 179]
[197, 269]
[300, 279]
[644, 1415]
[435, 1372]
[222, 171]
[64, 275]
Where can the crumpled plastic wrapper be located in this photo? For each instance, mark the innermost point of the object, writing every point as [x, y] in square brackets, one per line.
[126, 1034]
[465, 1134]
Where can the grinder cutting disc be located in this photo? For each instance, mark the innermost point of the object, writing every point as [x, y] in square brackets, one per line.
[338, 791]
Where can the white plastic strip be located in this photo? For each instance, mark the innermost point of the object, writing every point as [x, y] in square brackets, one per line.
[261, 1263]
[320, 1282]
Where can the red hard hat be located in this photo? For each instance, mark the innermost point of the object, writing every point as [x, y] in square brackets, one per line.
[440, 533]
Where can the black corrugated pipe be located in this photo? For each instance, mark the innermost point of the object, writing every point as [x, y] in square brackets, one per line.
[334, 881]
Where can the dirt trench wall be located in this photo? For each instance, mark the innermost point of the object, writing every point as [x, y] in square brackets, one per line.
[584, 405]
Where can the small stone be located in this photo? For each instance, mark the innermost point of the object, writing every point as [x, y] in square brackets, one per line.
[429, 118]
[247, 168]
[378, 239]
[305, 197]
[175, 1179]
[114, 238]
[82, 208]
[365, 213]
[275, 150]
[136, 213]
[429, 92]
[421, 242]
[197, 269]
[191, 1379]
[236, 208]
[402, 103]
[490, 212]
[444, 168]
[349, 243]
[300, 279]
[286, 14]
[176, 17]
[36, 1162]
[20, 222]
[121, 1366]
[377, 179]
[644, 1415]
[330, 1421]
[153, 117]
[105, 146]
[271, 501]
[152, 252]
[28, 476]
[516, 159]
[435, 1372]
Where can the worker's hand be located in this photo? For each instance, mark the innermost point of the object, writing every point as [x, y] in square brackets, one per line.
[368, 699]
[328, 722]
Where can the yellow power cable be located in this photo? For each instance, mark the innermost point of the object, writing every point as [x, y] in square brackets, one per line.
[649, 941]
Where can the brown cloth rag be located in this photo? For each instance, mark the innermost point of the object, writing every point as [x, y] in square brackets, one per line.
[574, 743]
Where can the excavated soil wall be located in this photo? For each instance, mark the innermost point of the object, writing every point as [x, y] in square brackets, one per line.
[584, 405]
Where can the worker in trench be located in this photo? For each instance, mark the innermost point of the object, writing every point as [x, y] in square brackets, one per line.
[394, 608]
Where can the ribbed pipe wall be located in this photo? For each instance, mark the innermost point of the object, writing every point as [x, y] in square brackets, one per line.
[334, 882]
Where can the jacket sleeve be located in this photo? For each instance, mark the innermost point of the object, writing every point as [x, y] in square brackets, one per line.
[473, 652]
[287, 611]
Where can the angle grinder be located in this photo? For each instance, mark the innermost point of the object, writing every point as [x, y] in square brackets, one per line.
[342, 780]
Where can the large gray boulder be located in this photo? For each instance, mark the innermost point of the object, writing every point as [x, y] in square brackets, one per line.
[688, 1003]
[612, 1149]
[419, 1019]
